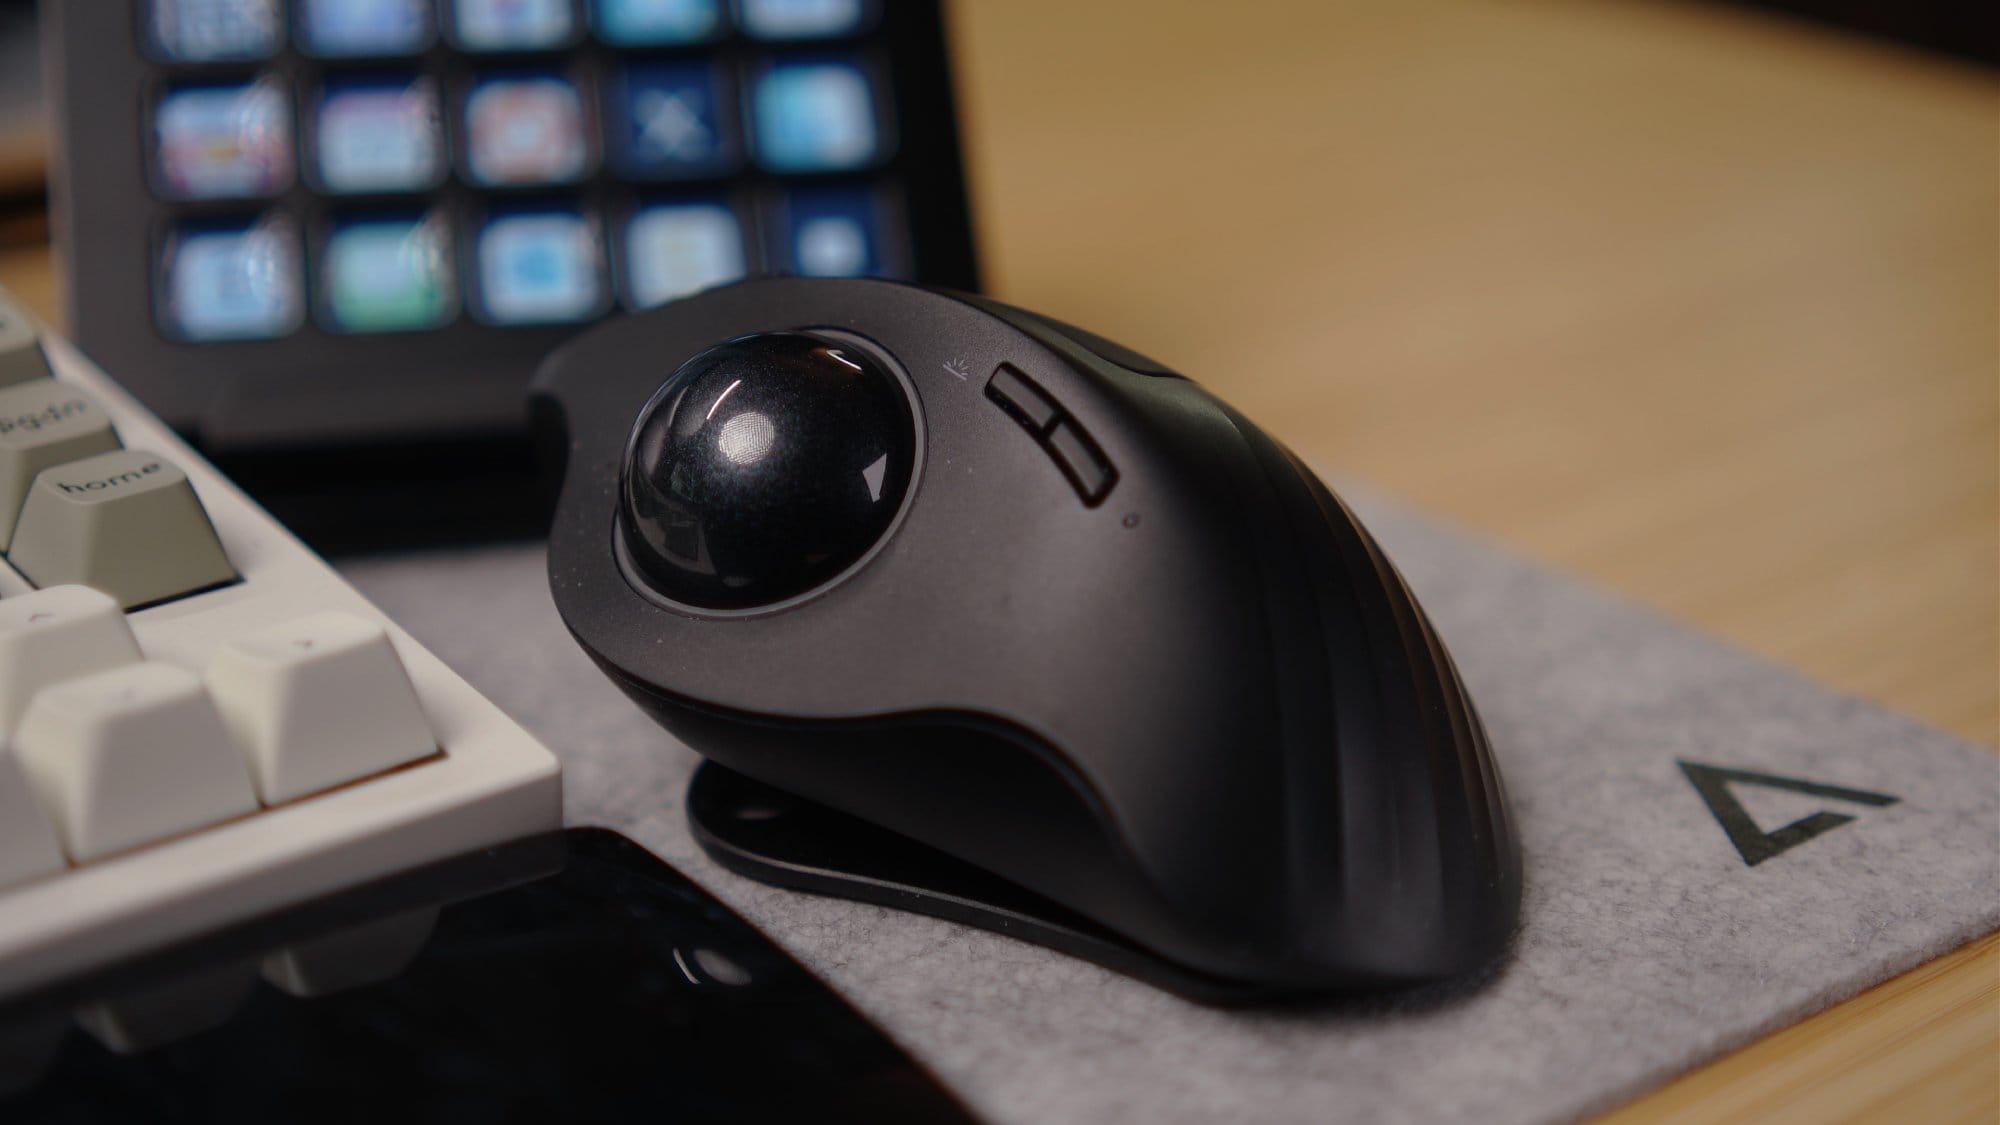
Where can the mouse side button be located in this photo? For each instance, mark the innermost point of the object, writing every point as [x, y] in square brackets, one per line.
[1020, 397]
[1081, 461]
[1067, 443]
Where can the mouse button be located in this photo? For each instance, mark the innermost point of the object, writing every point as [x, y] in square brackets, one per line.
[1080, 459]
[1076, 454]
[1021, 398]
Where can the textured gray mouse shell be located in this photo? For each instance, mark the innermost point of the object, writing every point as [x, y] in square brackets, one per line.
[1203, 711]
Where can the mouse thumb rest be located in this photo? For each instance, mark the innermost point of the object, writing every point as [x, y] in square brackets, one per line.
[1111, 646]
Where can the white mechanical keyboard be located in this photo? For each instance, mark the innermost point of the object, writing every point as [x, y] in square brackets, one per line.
[200, 722]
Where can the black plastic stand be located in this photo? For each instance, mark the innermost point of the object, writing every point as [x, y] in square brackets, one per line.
[773, 837]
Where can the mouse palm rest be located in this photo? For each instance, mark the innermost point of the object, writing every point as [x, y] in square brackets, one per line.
[1025, 630]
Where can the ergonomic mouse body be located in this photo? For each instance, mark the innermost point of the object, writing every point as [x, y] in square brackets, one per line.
[1012, 624]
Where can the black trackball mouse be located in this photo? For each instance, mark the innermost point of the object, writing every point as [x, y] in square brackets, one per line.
[976, 613]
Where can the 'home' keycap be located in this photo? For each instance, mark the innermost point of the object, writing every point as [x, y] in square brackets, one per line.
[125, 522]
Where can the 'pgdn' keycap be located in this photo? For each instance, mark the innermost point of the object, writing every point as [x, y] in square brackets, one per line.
[130, 756]
[127, 523]
[44, 423]
[317, 702]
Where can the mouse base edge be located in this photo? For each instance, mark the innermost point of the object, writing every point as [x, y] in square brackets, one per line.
[766, 834]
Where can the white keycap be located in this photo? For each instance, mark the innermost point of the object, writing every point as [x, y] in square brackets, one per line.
[53, 635]
[21, 357]
[318, 701]
[27, 840]
[130, 756]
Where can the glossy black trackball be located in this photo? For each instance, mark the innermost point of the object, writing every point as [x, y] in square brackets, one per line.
[764, 467]
[976, 613]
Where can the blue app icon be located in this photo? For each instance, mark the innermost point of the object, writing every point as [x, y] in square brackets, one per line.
[839, 232]
[657, 23]
[802, 19]
[216, 30]
[350, 28]
[512, 25]
[816, 116]
[232, 281]
[539, 267]
[671, 120]
[379, 135]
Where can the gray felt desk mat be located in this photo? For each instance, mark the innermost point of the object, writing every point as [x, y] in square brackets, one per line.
[1649, 944]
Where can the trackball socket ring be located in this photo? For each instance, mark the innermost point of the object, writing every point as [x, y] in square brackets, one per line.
[764, 468]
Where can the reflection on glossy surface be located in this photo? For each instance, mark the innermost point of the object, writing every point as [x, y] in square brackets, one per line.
[746, 438]
[368, 953]
[763, 468]
[151, 1016]
[719, 968]
[612, 990]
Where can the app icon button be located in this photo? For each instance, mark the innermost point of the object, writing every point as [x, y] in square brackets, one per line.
[525, 130]
[672, 120]
[803, 19]
[360, 28]
[387, 275]
[674, 249]
[538, 267]
[657, 23]
[839, 231]
[198, 31]
[512, 25]
[232, 281]
[220, 142]
[816, 117]
[379, 135]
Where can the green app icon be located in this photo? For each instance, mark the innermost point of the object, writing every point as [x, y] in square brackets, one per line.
[388, 275]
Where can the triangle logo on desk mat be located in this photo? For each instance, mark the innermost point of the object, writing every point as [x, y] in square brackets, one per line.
[1753, 843]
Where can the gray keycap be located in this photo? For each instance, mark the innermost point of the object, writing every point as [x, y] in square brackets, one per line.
[127, 523]
[44, 423]
[21, 357]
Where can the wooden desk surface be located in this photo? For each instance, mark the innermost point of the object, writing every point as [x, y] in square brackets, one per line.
[1693, 304]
